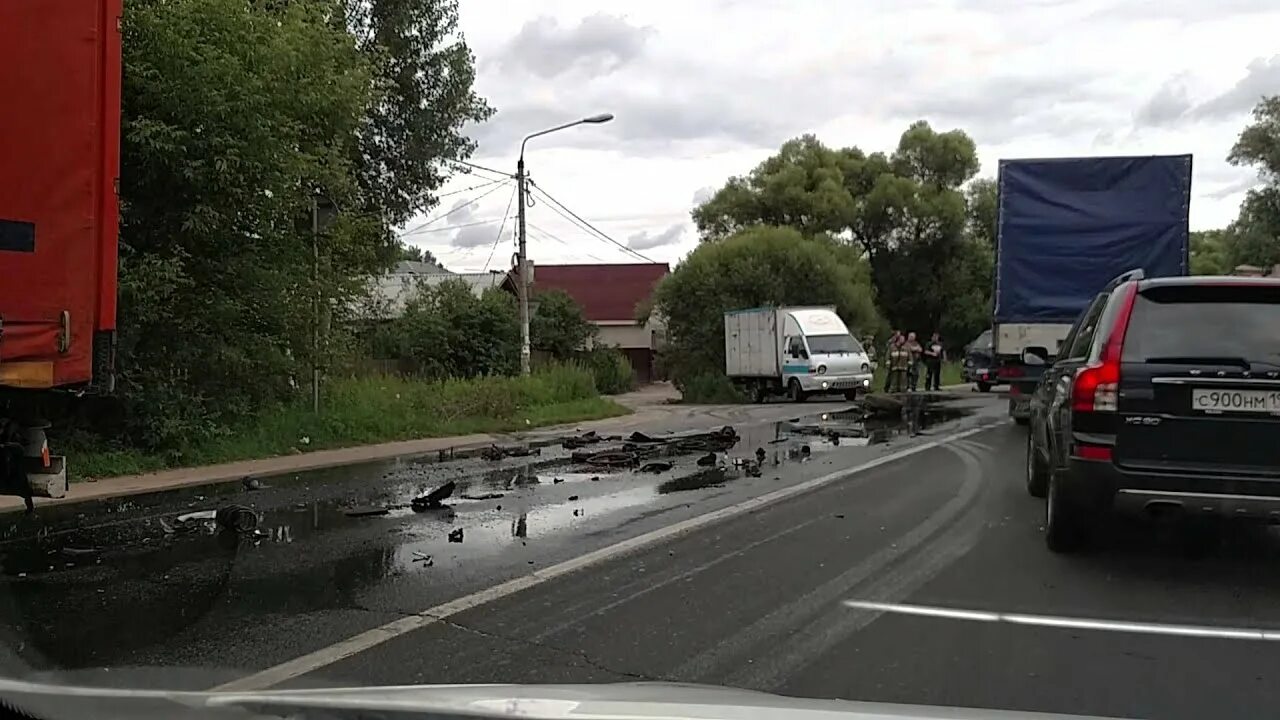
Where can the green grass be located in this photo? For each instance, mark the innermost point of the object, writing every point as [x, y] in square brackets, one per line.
[950, 375]
[373, 410]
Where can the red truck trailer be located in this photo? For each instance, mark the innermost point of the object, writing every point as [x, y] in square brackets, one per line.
[59, 169]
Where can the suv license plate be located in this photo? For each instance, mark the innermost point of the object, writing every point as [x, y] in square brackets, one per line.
[1248, 401]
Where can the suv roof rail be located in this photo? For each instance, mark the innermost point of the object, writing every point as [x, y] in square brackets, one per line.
[1134, 274]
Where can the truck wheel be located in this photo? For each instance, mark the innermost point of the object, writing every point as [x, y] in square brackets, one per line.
[1037, 471]
[795, 392]
[984, 387]
[760, 393]
[1069, 522]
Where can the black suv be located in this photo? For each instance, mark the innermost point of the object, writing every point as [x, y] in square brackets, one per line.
[1165, 398]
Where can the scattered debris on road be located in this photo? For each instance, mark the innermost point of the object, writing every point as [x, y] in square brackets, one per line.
[237, 518]
[497, 452]
[455, 536]
[251, 483]
[575, 442]
[485, 496]
[656, 467]
[366, 511]
[435, 498]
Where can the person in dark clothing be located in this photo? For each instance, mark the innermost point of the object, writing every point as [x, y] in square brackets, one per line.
[13, 474]
[933, 357]
[893, 343]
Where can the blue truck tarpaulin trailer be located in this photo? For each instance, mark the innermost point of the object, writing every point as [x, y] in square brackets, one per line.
[1065, 227]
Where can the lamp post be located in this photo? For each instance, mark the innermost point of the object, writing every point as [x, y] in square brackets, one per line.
[522, 261]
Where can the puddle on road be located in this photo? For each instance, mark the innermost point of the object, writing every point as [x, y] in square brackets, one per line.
[122, 573]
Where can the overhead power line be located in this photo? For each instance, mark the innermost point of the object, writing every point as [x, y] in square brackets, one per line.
[442, 216]
[468, 189]
[447, 228]
[473, 166]
[552, 236]
[591, 227]
[498, 237]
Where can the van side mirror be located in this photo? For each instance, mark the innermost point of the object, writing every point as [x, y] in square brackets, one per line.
[1035, 355]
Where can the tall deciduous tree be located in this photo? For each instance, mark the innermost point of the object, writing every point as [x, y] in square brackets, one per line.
[906, 212]
[234, 116]
[424, 73]
[1254, 238]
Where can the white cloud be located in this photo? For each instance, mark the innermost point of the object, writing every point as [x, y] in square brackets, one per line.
[645, 240]
[702, 91]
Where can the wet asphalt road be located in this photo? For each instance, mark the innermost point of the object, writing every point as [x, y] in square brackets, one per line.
[756, 600]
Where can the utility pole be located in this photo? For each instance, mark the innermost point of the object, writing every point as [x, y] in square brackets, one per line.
[522, 255]
[315, 305]
[522, 264]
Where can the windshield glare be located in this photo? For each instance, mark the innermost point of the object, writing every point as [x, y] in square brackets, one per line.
[833, 344]
[1218, 322]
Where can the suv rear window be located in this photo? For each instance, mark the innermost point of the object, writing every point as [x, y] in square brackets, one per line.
[1205, 321]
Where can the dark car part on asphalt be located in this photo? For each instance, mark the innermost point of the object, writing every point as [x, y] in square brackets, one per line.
[574, 442]
[366, 511]
[237, 518]
[1165, 398]
[455, 535]
[497, 452]
[434, 498]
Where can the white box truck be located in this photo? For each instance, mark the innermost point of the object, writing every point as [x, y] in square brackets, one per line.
[799, 351]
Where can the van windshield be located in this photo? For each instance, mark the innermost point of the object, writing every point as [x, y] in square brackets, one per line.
[833, 344]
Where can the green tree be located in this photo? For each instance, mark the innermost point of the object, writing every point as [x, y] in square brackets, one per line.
[425, 74]
[449, 332]
[1254, 237]
[756, 267]
[234, 116]
[558, 327]
[905, 212]
[1210, 253]
[405, 251]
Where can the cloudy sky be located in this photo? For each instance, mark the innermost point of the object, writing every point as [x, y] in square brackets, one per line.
[705, 89]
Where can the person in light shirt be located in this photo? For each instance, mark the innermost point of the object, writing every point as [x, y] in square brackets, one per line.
[933, 357]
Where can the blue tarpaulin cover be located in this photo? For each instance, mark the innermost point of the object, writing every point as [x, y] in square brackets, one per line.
[1067, 226]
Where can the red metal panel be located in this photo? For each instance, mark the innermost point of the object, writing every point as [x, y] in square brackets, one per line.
[59, 140]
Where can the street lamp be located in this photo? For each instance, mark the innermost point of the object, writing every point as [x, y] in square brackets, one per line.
[522, 262]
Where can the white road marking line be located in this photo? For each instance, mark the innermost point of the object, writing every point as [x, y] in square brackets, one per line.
[371, 638]
[1057, 621]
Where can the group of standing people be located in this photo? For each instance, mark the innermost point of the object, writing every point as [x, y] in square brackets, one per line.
[905, 356]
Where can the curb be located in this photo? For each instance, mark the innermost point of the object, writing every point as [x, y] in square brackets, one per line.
[164, 480]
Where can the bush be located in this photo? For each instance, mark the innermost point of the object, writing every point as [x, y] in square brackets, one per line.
[610, 369]
[709, 388]
[557, 327]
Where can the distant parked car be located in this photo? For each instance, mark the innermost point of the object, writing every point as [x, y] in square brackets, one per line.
[1165, 396]
[979, 362]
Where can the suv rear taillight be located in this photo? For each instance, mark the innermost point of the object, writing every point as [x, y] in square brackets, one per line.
[1097, 385]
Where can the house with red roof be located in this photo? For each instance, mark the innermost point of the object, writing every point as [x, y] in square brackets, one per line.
[608, 295]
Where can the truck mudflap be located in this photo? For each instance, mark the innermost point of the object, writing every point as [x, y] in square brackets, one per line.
[1020, 401]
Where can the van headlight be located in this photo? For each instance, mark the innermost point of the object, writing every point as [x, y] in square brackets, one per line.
[822, 369]
[866, 367]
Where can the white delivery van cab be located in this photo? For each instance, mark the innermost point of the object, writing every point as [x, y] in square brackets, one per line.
[799, 351]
